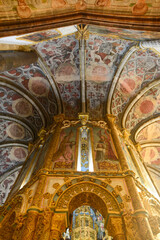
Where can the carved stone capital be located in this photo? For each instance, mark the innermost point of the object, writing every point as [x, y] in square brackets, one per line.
[59, 118]
[58, 226]
[110, 118]
[116, 228]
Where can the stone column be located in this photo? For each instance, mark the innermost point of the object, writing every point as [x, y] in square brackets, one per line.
[117, 143]
[115, 228]
[139, 211]
[58, 226]
[43, 225]
[30, 225]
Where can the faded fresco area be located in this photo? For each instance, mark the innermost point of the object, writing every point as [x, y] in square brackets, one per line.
[104, 151]
[65, 155]
[41, 36]
[149, 133]
[151, 155]
[128, 34]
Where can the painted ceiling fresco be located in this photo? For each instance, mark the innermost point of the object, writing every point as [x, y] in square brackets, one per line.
[148, 133]
[141, 69]
[121, 78]
[32, 8]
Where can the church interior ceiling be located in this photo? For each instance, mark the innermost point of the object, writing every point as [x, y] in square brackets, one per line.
[121, 72]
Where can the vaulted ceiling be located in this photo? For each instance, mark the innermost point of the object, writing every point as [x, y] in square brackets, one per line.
[99, 70]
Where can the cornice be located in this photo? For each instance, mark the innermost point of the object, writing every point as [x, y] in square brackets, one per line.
[22, 26]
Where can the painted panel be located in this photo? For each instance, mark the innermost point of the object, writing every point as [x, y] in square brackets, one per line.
[41, 36]
[104, 151]
[65, 156]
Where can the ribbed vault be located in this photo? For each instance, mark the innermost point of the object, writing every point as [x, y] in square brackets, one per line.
[93, 69]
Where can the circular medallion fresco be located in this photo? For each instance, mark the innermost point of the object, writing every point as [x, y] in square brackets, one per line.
[18, 153]
[151, 155]
[146, 106]
[67, 73]
[15, 131]
[22, 107]
[129, 83]
[38, 86]
[98, 73]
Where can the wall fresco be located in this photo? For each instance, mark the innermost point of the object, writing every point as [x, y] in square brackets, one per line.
[12, 130]
[104, 151]
[14, 103]
[42, 8]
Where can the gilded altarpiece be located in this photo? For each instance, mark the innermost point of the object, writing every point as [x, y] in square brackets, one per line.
[43, 207]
